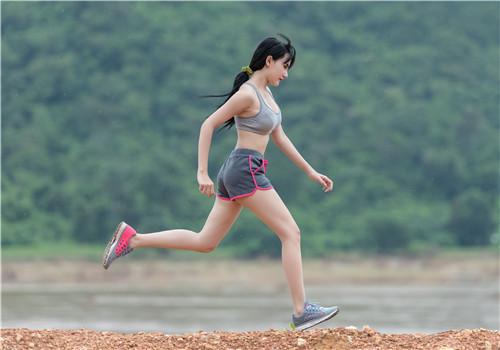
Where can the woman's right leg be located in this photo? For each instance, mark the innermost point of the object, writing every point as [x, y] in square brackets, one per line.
[219, 221]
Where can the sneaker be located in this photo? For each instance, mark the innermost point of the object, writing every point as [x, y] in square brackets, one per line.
[118, 245]
[313, 314]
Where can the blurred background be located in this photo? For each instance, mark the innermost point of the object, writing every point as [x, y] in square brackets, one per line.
[397, 102]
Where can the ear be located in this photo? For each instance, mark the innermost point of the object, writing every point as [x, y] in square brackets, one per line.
[269, 60]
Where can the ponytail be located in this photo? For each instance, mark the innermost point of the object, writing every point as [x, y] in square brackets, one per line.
[239, 80]
[268, 47]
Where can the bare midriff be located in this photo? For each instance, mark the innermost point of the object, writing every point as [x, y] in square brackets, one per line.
[251, 140]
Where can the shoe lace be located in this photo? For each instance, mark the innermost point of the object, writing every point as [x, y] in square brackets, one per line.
[313, 307]
[123, 247]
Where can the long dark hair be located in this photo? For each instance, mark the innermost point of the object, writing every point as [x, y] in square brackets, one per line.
[271, 46]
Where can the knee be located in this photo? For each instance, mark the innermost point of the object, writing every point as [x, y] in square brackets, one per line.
[206, 247]
[292, 234]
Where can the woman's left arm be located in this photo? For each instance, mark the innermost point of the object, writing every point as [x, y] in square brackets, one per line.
[286, 146]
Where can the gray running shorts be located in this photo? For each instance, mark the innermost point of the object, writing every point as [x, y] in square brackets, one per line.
[243, 173]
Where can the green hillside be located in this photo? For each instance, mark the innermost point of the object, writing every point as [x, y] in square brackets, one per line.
[398, 102]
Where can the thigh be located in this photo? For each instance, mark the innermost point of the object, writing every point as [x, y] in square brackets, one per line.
[219, 221]
[270, 209]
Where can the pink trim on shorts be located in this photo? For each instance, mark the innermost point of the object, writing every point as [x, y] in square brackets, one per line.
[245, 194]
[223, 198]
[264, 162]
[257, 187]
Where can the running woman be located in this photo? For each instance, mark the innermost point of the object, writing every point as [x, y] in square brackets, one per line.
[242, 181]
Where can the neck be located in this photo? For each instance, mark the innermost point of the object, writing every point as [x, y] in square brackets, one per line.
[259, 80]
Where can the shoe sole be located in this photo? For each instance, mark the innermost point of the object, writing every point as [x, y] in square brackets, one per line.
[116, 238]
[316, 322]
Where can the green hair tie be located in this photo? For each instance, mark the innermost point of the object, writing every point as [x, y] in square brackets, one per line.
[247, 70]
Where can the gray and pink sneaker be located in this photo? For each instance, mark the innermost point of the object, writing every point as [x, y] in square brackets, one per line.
[119, 244]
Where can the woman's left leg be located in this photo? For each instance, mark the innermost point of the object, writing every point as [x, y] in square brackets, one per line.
[218, 223]
[270, 209]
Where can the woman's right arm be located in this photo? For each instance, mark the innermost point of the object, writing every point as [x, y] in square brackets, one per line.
[237, 104]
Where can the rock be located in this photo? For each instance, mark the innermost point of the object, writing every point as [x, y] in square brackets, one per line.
[351, 328]
[466, 332]
[301, 342]
[368, 330]
[487, 345]
[19, 337]
[31, 345]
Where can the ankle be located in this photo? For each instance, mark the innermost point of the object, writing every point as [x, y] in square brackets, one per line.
[299, 312]
[134, 241]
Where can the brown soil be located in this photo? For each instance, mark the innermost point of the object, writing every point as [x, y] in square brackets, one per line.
[317, 339]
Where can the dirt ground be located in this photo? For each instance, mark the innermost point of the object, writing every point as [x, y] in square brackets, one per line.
[317, 339]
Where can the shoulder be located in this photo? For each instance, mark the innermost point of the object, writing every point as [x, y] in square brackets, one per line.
[247, 90]
[241, 101]
[245, 95]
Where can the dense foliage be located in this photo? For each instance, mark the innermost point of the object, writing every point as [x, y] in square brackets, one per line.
[397, 102]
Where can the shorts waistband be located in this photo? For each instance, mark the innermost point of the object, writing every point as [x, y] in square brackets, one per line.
[246, 152]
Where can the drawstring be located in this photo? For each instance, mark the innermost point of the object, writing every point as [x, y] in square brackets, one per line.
[263, 165]
[265, 161]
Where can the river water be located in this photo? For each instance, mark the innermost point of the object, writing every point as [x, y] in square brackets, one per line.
[388, 308]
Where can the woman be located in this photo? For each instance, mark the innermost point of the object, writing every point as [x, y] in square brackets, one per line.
[241, 182]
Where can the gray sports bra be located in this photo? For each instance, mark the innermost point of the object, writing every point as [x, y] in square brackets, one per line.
[264, 122]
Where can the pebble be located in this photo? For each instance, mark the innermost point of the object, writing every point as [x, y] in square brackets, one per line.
[301, 342]
[368, 330]
[466, 332]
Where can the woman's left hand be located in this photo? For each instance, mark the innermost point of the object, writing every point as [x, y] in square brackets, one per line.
[323, 180]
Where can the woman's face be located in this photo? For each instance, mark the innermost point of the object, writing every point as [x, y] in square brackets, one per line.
[278, 70]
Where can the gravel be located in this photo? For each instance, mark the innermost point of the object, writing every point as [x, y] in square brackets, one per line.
[317, 339]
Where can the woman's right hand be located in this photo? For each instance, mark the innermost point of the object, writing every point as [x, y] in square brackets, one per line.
[205, 184]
